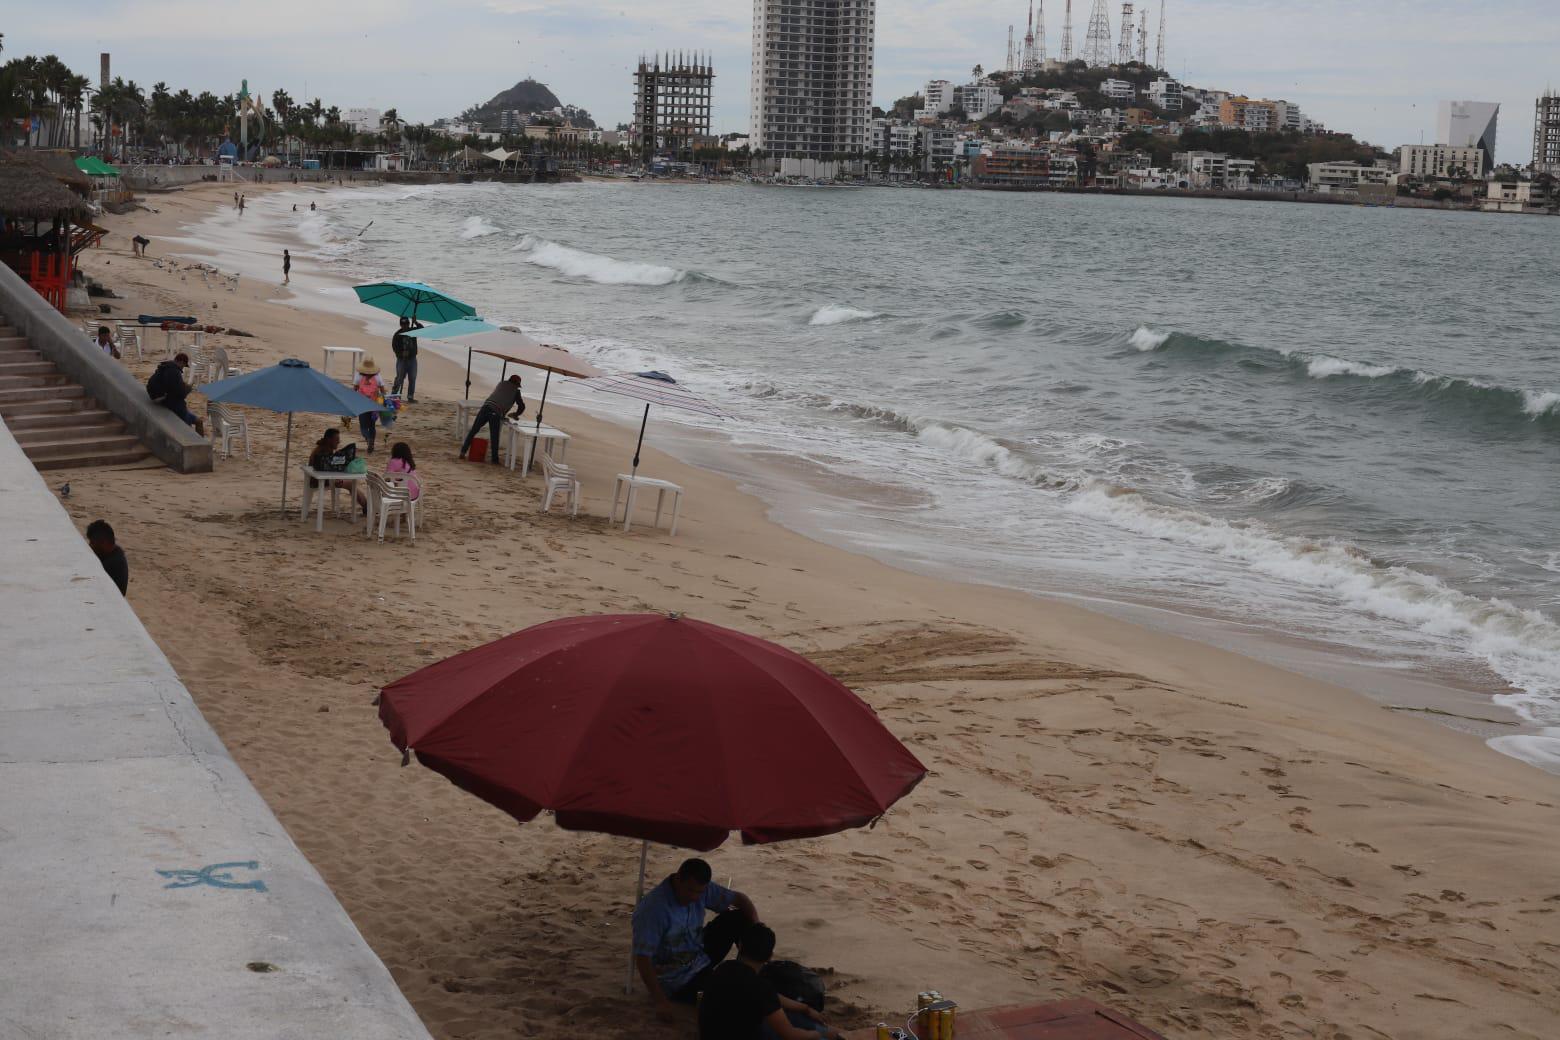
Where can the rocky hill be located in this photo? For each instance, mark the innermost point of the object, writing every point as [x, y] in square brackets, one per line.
[528, 97]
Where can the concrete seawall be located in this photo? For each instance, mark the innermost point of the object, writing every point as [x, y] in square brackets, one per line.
[147, 889]
[115, 388]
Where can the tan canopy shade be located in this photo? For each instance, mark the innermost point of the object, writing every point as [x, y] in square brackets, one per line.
[28, 191]
[499, 155]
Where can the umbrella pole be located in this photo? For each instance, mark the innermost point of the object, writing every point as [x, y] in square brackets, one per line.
[468, 373]
[287, 454]
[639, 893]
[642, 423]
[540, 408]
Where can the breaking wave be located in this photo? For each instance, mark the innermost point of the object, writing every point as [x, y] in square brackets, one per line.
[477, 227]
[593, 267]
[833, 314]
[1403, 384]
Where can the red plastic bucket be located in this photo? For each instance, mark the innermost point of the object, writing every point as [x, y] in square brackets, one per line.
[479, 450]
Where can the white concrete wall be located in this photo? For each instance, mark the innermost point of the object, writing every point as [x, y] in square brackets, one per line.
[117, 803]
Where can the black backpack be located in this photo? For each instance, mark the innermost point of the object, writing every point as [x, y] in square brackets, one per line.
[795, 981]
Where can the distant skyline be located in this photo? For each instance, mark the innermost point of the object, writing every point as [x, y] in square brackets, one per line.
[1377, 69]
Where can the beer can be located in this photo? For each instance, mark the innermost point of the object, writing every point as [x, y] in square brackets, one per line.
[948, 1023]
[883, 1032]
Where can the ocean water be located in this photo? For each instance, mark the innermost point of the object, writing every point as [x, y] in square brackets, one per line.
[1334, 424]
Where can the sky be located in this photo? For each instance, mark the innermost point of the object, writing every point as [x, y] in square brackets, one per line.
[1374, 68]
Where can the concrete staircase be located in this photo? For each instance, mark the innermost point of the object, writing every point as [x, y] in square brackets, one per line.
[57, 425]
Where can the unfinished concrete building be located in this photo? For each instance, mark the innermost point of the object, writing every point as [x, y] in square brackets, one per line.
[672, 105]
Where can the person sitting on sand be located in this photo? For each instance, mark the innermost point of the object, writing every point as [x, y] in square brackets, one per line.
[740, 1004]
[674, 952]
[100, 539]
[168, 388]
[105, 341]
[505, 395]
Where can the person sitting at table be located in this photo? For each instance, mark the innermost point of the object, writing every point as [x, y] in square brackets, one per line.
[673, 951]
[740, 1004]
[505, 395]
[401, 465]
[105, 342]
[319, 462]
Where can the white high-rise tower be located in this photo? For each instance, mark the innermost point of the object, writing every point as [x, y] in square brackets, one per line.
[1469, 124]
[811, 91]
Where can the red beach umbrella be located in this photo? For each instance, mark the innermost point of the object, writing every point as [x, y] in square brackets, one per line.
[653, 727]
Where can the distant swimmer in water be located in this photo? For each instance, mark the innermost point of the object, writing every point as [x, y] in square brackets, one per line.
[311, 207]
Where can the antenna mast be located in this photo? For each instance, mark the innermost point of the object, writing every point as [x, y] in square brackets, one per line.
[1124, 49]
[1097, 45]
[1160, 59]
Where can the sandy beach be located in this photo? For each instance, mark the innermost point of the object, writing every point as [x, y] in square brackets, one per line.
[1215, 846]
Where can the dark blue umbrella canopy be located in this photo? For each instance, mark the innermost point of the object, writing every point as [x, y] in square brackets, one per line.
[290, 386]
[413, 300]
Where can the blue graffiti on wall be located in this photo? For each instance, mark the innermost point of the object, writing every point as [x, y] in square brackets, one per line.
[218, 875]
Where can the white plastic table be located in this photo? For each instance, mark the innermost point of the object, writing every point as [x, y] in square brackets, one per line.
[465, 415]
[633, 484]
[550, 439]
[354, 355]
[173, 343]
[317, 494]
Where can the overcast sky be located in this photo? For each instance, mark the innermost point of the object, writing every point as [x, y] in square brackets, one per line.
[1375, 68]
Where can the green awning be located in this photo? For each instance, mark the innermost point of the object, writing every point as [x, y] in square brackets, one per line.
[92, 166]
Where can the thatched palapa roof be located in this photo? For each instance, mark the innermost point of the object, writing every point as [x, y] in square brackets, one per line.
[30, 192]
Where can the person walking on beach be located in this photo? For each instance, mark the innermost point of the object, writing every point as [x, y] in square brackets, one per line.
[235, 200]
[138, 245]
[505, 395]
[241, 205]
[739, 1003]
[372, 387]
[286, 267]
[674, 952]
[404, 348]
[168, 388]
[100, 539]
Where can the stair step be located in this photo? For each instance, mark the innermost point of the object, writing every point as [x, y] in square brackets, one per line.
[18, 424]
[43, 406]
[9, 396]
[62, 445]
[83, 459]
[58, 434]
[54, 378]
[20, 355]
[10, 366]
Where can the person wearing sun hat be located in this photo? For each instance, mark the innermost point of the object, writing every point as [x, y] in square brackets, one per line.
[372, 387]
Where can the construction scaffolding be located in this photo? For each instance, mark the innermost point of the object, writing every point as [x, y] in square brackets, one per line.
[672, 105]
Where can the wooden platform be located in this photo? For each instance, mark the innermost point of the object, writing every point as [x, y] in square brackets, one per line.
[1055, 1020]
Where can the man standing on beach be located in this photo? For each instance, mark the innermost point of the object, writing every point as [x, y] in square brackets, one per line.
[505, 395]
[674, 952]
[100, 538]
[405, 349]
[286, 267]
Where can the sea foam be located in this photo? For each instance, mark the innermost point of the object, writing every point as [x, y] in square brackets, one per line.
[1146, 339]
[1321, 366]
[477, 227]
[604, 270]
[834, 314]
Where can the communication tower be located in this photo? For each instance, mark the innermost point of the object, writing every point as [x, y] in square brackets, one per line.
[1159, 59]
[1029, 42]
[1040, 35]
[1142, 43]
[1097, 45]
[1067, 48]
[1010, 66]
[1128, 29]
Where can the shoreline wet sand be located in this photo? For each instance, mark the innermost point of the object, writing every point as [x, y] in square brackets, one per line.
[1214, 845]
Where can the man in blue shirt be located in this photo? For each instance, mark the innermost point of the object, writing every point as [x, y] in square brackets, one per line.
[673, 950]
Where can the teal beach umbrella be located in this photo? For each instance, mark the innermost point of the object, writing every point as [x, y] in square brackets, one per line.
[413, 300]
[452, 329]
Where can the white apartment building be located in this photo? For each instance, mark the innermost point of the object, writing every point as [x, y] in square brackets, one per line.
[362, 120]
[1333, 176]
[978, 100]
[1288, 116]
[1166, 93]
[890, 138]
[937, 146]
[1469, 124]
[1214, 171]
[939, 96]
[811, 89]
[1118, 90]
[1435, 161]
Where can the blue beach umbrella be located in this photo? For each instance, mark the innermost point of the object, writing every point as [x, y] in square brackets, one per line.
[290, 386]
[413, 300]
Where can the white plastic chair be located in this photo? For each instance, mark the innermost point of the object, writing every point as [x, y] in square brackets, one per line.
[559, 479]
[200, 367]
[227, 425]
[386, 500]
[221, 367]
[130, 336]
